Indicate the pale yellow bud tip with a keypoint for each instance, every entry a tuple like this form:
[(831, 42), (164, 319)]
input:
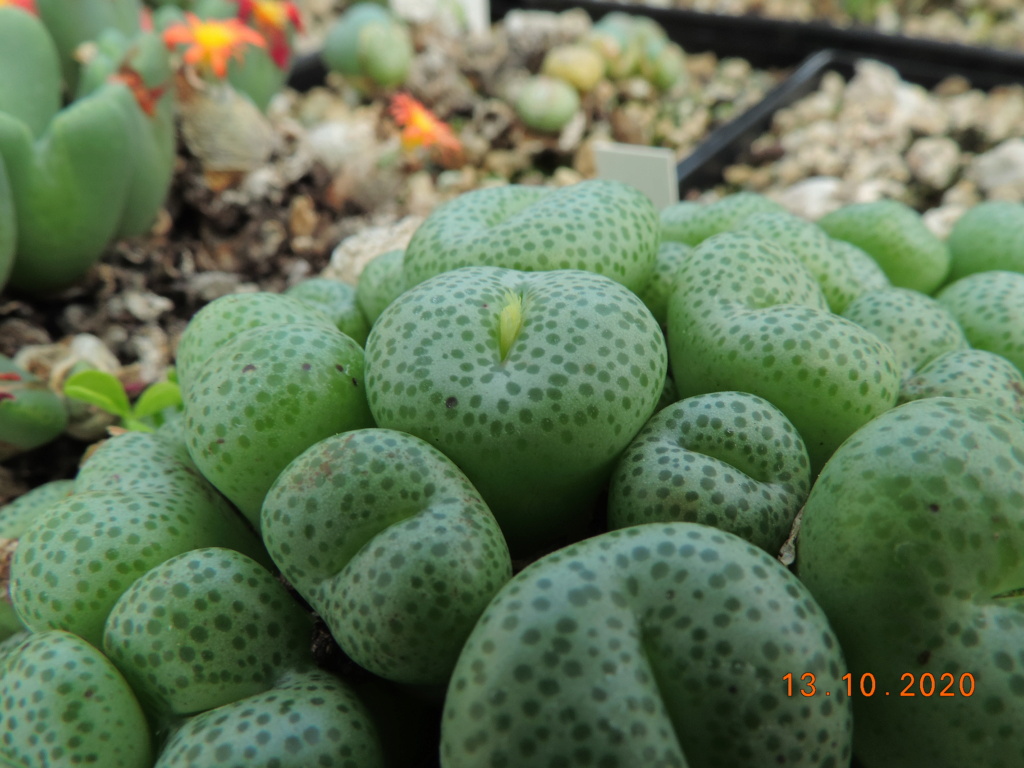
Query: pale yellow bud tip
[(510, 322)]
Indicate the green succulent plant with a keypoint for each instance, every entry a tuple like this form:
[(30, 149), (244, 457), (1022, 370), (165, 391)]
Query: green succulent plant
[(613, 38), (665, 65), (338, 301), (70, 186), (369, 45), (15, 519), (30, 89), (547, 104), (73, 22), (100, 167), (809, 243), (226, 317), (532, 383), (268, 394), (65, 704), (691, 223), (895, 236), (748, 316), (578, 64), (8, 227), (84, 551), (143, 62), (204, 629), (310, 718), (153, 463), (391, 545), (989, 236), (968, 373), (31, 414), (599, 226), (911, 543), (381, 282), (635, 45), (661, 644), (987, 305), (659, 288), (915, 326), (729, 460), (866, 273), (106, 392)]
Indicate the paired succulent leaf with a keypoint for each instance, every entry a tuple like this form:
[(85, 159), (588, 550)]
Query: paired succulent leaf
[(31, 81), (368, 44), (70, 187), (142, 64), (73, 22)]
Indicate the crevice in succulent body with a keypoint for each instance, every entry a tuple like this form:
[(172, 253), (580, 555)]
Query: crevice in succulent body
[(510, 322)]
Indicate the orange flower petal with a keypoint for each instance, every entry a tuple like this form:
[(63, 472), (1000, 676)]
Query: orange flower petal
[(177, 35), (212, 42)]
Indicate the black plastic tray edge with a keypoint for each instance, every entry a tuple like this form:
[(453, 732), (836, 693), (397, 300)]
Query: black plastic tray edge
[(703, 167), (783, 43)]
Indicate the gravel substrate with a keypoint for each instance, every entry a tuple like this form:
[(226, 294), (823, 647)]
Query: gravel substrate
[(877, 136)]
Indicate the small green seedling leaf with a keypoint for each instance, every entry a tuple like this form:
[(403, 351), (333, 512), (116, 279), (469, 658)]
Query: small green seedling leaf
[(156, 398), (106, 391), (101, 389)]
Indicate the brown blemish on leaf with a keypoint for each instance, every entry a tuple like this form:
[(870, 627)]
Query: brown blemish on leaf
[(7, 547), (249, 367)]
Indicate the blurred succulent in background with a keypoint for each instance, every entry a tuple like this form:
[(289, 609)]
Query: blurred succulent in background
[(83, 174), (73, 22), (142, 65), (370, 47), (579, 65), (547, 104), (31, 414), (638, 46)]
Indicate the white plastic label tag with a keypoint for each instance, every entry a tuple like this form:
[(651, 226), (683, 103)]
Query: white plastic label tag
[(652, 170)]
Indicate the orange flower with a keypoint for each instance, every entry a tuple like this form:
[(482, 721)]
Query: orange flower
[(421, 128), (272, 18), (212, 42), (27, 5)]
